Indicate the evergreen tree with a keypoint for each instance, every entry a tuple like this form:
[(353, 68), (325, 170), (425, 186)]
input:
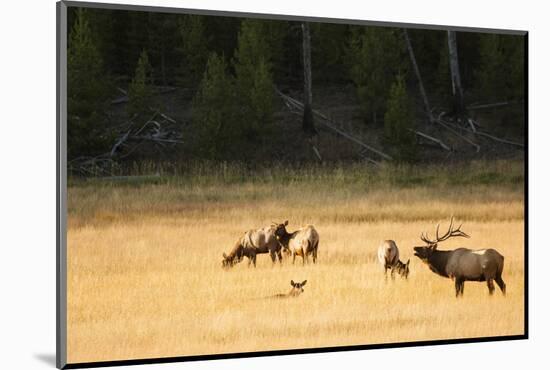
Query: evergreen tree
[(500, 71), (514, 49), (376, 55), (220, 134), (194, 49), (398, 121), (254, 81), (276, 35), (251, 49), (261, 99), (162, 40), (140, 92), (87, 92), (328, 42)]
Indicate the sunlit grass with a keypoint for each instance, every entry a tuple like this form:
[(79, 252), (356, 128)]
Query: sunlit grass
[(145, 277)]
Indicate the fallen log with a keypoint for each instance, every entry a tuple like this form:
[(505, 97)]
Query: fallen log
[(119, 142), (485, 106), (505, 141), (329, 124), (435, 140), (487, 135), (159, 140), (448, 127), (472, 126), (316, 151)]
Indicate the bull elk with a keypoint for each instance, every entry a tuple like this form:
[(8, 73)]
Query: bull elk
[(462, 264), (388, 256)]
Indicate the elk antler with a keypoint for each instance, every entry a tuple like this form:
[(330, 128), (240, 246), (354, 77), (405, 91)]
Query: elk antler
[(426, 239), (449, 234)]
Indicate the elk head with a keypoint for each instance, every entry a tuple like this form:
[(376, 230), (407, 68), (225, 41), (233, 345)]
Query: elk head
[(227, 261), (234, 257), (281, 234), (297, 288), (280, 229), (425, 252), (403, 268)]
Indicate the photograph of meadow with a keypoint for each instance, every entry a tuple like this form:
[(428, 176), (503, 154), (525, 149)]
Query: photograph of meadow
[(239, 185)]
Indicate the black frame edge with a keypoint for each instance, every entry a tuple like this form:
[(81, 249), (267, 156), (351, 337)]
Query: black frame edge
[(288, 17), (526, 186), (162, 360), (61, 185)]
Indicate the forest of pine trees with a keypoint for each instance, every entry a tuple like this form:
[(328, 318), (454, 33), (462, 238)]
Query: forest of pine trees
[(220, 77)]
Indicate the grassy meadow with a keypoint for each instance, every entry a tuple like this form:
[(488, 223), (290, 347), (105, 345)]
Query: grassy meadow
[(144, 259)]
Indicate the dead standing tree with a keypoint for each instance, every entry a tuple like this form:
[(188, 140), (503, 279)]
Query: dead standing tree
[(418, 76), (458, 93)]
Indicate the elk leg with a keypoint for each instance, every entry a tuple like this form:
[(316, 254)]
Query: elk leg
[(501, 284), (280, 256), (254, 260), (491, 286), (315, 255), (459, 287), (273, 256), (392, 273), (293, 257)]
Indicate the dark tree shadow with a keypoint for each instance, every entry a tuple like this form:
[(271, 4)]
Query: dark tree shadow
[(47, 358)]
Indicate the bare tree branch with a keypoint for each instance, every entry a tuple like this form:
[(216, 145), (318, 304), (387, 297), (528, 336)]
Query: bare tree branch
[(436, 140)]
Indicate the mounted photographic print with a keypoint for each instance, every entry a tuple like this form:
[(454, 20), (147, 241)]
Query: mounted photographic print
[(236, 185)]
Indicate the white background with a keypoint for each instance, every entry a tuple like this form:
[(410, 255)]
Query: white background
[(27, 196)]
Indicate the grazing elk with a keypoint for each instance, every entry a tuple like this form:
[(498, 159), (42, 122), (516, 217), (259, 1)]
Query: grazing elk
[(254, 242), (462, 264), (297, 289), (388, 256), (302, 242)]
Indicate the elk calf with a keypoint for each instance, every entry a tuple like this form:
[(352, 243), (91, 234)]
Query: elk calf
[(388, 256), (297, 289)]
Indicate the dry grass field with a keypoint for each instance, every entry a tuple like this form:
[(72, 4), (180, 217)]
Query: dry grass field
[(145, 277)]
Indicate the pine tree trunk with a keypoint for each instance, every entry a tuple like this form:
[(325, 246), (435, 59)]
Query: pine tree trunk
[(455, 75), (308, 124)]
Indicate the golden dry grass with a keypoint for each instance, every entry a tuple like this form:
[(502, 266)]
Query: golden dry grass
[(145, 277)]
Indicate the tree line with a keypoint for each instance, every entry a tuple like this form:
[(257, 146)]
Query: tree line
[(231, 66)]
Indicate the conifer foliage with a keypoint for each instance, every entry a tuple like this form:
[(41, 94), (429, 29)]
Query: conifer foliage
[(398, 122), (376, 56), (140, 90), (88, 92)]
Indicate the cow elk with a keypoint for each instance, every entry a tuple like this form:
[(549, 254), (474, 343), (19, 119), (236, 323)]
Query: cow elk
[(302, 242), (254, 242), (462, 264), (388, 256)]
